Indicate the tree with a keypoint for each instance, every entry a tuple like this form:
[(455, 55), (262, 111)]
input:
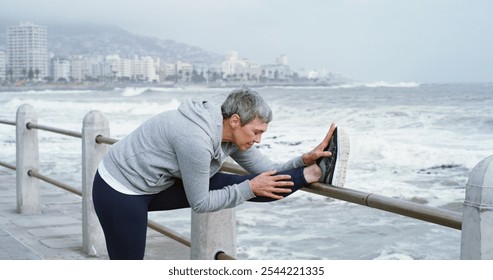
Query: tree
[(187, 74), (30, 74), (180, 75), (10, 73), (36, 73), (208, 76)]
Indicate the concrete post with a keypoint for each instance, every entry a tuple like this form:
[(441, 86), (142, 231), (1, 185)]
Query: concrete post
[(477, 219), (94, 124), (212, 233), (27, 158)]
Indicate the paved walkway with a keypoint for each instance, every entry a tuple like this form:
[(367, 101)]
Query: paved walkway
[(56, 233)]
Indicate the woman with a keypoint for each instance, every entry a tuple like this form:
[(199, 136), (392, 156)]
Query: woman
[(173, 160)]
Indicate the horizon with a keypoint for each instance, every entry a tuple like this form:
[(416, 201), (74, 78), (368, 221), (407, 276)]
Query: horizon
[(365, 40)]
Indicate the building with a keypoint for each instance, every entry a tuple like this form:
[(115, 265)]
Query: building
[(27, 52), (145, 69), (282, 60), (240, 69), (3, 69), (60, 69), (179, 71), (83, 68), (280, 71)]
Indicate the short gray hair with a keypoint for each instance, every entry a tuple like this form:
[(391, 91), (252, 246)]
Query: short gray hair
[(248, 104)]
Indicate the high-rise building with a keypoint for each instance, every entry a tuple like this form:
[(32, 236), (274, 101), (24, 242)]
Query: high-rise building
[(3, 72), (27, 52)]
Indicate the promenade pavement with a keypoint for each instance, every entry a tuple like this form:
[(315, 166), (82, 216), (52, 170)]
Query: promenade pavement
[(56, 233)]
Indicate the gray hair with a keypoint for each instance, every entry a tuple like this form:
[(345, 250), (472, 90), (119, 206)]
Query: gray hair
[(248, 104)]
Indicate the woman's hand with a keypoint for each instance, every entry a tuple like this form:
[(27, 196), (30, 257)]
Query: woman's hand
[(268, 184), (311, 157)]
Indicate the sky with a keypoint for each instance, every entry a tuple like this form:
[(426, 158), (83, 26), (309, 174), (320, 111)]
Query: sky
[(422, 41)]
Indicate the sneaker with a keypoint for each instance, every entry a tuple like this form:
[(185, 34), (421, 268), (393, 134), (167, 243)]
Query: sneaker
[(334, 167)]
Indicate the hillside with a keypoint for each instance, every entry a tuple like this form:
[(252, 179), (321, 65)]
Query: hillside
[(72, 39)]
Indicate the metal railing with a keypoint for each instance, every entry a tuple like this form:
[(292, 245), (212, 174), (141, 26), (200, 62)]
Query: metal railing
[(422, 212), (398, 206), (100, 140)]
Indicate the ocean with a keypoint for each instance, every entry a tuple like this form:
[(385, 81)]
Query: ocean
[(410, 141)]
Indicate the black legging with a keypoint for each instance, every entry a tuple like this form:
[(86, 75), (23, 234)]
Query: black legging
[(124, 217)]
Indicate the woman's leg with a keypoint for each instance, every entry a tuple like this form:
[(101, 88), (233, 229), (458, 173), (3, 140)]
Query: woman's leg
[(123, 219), (175, 198), (220, 180)]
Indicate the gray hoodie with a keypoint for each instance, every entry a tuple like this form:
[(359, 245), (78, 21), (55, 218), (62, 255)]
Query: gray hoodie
[(186, 144)]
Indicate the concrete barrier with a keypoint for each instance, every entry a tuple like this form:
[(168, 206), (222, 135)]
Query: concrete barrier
[(94, 124), (27, 158), (477, 220)]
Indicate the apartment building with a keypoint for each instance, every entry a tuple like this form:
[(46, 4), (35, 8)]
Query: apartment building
[(241, 68), (145, 69), (3, 69), (60, 69), (27, 53)]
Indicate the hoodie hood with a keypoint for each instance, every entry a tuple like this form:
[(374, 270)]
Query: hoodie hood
[(208, 117)]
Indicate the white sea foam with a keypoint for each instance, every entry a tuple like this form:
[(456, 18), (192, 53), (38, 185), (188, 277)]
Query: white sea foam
[(385, 84), (377, 84), (132, 91)]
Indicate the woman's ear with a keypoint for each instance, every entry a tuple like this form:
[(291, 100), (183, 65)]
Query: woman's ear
[(235, 121)]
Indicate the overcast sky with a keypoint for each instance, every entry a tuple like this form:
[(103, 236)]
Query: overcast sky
[(370, 40)]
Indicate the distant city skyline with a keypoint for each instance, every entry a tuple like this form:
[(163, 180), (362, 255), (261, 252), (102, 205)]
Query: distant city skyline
[(393, 41), (28, 62)]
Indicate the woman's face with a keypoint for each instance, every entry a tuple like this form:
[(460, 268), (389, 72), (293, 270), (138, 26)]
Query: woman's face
[(247, 135)]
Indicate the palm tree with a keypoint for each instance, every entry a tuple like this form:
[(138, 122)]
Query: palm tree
[(10, 73), (36, 73), (208, 75), (187, 74), (180, 75), (30, 74)]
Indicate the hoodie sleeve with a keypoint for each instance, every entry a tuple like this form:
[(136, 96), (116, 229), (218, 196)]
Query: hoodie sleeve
[(194, 161), (253, 161)]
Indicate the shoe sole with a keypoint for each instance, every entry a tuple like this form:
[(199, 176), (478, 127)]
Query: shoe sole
[(339, 175)]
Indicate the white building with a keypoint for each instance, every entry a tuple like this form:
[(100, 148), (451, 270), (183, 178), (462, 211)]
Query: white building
[(60, 69), (145, 69), (84, 67), (179, 70), (282, 60), (3, 69), (184, 70), (113, 67), (278, 71), (242, 69), (27, 53)]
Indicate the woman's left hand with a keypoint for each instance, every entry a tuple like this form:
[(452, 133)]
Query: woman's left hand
[(312, 156)]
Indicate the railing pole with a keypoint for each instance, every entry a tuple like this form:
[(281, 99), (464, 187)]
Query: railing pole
[(213, 233), (94, 124), (27, 158), (477, 223)]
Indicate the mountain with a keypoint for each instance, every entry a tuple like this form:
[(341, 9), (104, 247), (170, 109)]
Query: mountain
[(73, 39)]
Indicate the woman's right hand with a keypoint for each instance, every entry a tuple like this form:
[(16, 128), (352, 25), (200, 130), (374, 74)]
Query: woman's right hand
[(268, 184)]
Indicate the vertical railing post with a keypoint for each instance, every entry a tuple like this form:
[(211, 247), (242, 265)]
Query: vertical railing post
[(27, 158), (213, 233), (477, 219), (94, 124)]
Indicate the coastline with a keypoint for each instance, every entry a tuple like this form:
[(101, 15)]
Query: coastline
[(112, 86)]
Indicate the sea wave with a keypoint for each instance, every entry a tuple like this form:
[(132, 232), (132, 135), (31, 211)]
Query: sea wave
[(399, 85), (133, 91), (379, 84)]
